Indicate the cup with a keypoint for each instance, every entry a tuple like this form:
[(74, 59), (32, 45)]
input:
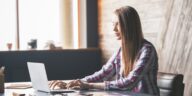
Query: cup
[(32, 43), (9, 46)]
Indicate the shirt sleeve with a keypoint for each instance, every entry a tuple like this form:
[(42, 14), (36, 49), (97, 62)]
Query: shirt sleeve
[(141, 67), (106, 72)]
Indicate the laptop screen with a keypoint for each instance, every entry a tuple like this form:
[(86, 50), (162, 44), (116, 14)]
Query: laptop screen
[(38, 76)]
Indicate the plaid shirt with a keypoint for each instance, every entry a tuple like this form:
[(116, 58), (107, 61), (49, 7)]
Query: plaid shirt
[(143, 77)]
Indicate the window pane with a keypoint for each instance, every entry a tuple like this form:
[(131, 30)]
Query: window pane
[(7, 23), (39, 19), (44, 20)]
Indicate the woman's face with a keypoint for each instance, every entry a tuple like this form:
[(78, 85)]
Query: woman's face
[(116, 27)]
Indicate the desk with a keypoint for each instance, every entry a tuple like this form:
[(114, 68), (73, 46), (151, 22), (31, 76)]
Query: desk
[(31, 91)]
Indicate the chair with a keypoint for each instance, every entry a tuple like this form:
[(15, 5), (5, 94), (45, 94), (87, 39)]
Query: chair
[(170, 84)]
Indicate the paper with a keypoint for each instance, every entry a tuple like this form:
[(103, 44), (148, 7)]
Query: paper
[(18, 86)]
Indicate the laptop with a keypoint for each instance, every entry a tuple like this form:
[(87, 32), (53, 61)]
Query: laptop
[(39, 79)]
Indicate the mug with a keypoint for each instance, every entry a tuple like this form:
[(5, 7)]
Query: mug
[(9, 46)]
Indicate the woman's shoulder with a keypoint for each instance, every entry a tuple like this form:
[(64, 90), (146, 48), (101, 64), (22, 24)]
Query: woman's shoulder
[(147, 46), (146, 49)]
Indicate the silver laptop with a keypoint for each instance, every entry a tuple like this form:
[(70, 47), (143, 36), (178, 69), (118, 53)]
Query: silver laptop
[(39, 79)]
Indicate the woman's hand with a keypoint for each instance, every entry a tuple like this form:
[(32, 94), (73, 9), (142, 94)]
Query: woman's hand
[(78, 84), (57, 84)]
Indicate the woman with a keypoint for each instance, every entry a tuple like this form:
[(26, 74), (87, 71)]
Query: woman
[(133, 67)]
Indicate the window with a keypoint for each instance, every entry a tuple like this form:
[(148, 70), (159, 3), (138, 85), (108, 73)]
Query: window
[(7, 23), (43, 20), (39, 19)]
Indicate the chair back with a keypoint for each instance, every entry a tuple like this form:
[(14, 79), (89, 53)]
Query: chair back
[(170, 84)]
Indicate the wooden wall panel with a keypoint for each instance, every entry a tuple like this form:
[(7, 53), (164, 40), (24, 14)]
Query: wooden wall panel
[(175, 41)]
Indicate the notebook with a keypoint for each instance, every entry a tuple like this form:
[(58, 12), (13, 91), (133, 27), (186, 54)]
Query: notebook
[(39, 79)]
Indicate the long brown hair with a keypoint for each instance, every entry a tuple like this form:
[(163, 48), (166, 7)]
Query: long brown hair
[(131, 36)]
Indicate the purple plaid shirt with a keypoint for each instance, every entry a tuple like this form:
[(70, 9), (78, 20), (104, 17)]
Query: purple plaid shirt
[(143, 77)]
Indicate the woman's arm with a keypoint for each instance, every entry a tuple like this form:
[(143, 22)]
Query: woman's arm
[(78, 84), (142, 66), (106, 72)]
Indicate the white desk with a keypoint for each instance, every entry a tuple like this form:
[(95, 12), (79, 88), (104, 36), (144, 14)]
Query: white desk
[(32, 92)]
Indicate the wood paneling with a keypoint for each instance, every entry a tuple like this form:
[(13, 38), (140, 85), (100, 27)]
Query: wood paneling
[(175, 42)]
